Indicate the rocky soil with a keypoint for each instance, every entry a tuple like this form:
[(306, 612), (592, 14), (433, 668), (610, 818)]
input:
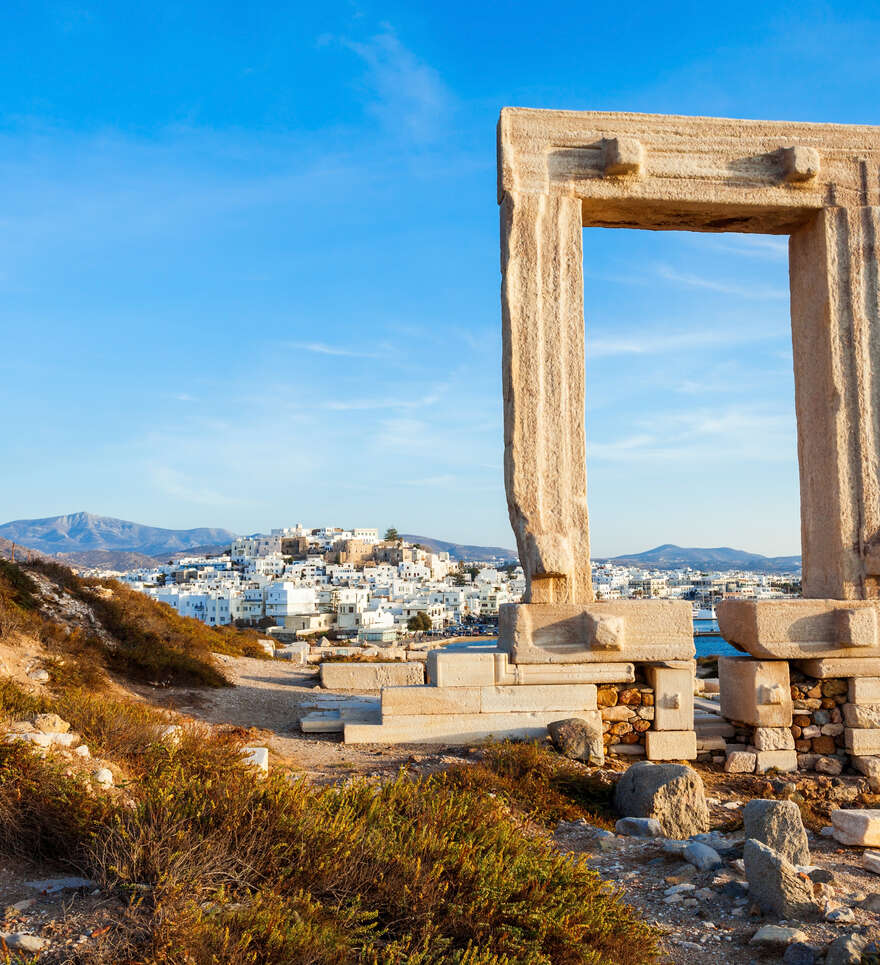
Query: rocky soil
[(707, 915)]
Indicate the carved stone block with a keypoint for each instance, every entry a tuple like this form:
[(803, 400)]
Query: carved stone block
[(646, 630), (622, 155)]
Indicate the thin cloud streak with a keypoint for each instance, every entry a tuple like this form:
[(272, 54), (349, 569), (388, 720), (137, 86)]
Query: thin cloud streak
[(689, 280)]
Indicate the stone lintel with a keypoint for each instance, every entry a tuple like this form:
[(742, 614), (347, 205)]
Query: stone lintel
[(620, 630), (801, 629)]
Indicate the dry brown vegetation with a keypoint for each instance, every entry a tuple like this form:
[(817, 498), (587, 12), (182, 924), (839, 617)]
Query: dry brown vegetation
[(143, 640), (214, 866)]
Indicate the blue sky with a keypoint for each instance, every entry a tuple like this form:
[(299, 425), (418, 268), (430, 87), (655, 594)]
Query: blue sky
[(249, 263)]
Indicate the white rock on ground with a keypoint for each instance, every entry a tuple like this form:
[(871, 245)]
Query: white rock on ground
[(23, 942), (82, 751), (777, 935), (103, 776), (860, 827), (257, 757)]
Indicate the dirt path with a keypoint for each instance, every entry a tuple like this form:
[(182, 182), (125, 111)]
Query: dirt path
[(269, 696)]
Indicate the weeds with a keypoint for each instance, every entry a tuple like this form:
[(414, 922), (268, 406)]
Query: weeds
[(142, 639), (538, 783), (222, 868)]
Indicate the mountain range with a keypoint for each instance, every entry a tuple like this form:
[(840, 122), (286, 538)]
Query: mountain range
[(462, 551), (672, 557), (77, 534), (84, 539)]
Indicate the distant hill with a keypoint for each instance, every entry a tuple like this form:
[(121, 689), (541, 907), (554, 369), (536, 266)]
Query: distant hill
[(672, 557), (106, 560), (85, 532), (462, 551), (7, 547)]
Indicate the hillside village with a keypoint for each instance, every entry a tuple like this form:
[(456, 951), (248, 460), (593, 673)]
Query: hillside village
[(353, 585)]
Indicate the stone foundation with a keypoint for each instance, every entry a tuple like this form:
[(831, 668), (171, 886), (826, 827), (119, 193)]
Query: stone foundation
[(627, 712)]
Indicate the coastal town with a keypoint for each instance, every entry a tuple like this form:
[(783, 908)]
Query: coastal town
[(350, 584)]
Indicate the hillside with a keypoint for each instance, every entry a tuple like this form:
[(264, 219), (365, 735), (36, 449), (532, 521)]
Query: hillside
[(181, 851), (462, 551), (100, 629), (82, 532), (669, 556), (8, 547)]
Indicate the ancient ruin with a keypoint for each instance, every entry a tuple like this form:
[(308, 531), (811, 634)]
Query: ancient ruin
[(560, 171)]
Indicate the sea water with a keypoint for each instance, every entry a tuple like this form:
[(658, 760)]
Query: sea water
[(707, 640)]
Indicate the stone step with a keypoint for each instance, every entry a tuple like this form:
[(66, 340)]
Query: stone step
[(713, 727), (334, 721), (455, 728)]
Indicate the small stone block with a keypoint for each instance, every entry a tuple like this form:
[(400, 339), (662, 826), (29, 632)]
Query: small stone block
[(671, 745), (871, 861), (775, 761), (826, 667), (257, 757), (864, 690), (397, 701), (561, 697), (858, 827), (622, 155), (740, 762), (800, 163), (460, 669), (862, 742)]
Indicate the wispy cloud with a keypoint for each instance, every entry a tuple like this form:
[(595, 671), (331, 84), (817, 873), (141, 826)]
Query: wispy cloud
[(322, 348), (705, 436), (178, 485), (764, 247), (657, 343), (689, 280), (404, 91), (363, 405)]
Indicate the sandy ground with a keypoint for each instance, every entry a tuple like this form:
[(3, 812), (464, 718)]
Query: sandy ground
[(269, 697)]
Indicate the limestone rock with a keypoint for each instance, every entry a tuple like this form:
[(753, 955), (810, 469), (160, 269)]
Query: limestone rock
[(103, 776), (671, 793), (20, 941), (639, 827), (859, 827), (777, 935), (799, 953), (740, 762), (51, 724), (778, 824), (775, 885), (773, 739), (701, 856), (870, 767), (579, 740), (846, 950)]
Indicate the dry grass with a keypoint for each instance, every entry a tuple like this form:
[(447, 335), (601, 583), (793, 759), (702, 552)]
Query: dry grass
[(219, 867), (148, 641), (539, 784)]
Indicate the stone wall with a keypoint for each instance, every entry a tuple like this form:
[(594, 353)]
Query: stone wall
[(627, 714)]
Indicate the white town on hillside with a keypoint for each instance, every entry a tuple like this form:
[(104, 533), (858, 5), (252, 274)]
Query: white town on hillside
[(354, 585)]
